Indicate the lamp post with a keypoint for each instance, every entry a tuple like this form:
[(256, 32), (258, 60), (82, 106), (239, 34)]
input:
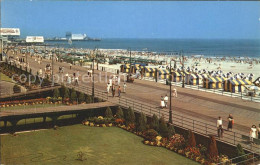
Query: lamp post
[(130, 59), (183, 86), (93, 84), (170, 110)]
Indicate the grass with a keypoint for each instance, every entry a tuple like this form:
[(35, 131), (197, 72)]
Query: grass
[(102, 146), (3, 77)]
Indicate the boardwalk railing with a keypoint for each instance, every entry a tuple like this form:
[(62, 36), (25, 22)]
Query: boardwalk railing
[(185, 122)]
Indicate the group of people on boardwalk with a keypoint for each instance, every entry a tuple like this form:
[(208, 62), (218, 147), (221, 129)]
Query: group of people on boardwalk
[(220, 127), (111, 85), (254, 132), (165, 99)]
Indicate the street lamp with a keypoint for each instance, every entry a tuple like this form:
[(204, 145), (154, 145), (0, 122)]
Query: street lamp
[(183, 86), (93, 84), (130, 59), (170, 110)]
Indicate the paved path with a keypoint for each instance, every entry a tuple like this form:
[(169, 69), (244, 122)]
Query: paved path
[(55, 109)]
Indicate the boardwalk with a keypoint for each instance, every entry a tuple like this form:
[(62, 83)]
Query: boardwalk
[(192, 105)]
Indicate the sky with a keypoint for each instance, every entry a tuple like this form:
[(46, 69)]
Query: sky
[(134, 19)]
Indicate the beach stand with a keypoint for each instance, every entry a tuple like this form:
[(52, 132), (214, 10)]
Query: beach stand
[(125, 68), (164, 73), (177, 77), (213, 82), (149, 72), (236, 85), (194, 79)]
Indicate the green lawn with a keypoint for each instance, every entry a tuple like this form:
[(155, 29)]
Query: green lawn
[(104, 146), (3, 77)]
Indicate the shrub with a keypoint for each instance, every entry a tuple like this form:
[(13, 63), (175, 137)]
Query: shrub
[(108, 113), (212, 148), (155, 123), (171, 131), (81, 97), (141, 123), (119, 113), (129, 116), (240, 152), (163, 130), (88, 99), (73, 96), (56, 93), (66, 93), (62, 91), (191, 139), (16, 89), (150, 134)]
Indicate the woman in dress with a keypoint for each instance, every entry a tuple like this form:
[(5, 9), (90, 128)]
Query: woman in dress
[(230, 122), (162, 102), (253, 133)]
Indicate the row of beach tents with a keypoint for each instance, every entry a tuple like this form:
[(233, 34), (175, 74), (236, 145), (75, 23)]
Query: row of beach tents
[(208, 81)]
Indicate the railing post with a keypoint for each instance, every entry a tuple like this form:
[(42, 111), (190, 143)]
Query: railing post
[(182, 121), (234, 138)]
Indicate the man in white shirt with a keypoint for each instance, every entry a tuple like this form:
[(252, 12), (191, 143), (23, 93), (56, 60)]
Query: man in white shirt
[(165, 100), (220, 127)]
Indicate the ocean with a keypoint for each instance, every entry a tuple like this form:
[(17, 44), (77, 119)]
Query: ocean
[(206, 47)]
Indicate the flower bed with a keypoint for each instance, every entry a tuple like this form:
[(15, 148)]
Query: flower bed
[(176, 143), (23, 102)]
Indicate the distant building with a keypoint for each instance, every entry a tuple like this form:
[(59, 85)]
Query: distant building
[(10, 33)]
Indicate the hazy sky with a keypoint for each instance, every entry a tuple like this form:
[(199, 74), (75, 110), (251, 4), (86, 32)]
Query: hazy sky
[(132, 19)]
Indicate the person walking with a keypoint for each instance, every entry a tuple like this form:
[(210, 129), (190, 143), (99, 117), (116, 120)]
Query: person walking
[(124, 87), (253, 133), (162, 102), (165, 101), (40, 72), (119, 91), (70, 66), (113, 90), (220, 127), (108, 87), (230, 122)]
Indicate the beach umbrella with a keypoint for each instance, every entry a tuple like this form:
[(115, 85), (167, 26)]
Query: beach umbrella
[(256, 88)]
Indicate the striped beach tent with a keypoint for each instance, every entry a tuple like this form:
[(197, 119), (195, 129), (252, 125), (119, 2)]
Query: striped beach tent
[(194, 79), (149, 72), (164, 73), (177, 77), (135, 68), (125, 68), (236, 85), (213, 82)]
